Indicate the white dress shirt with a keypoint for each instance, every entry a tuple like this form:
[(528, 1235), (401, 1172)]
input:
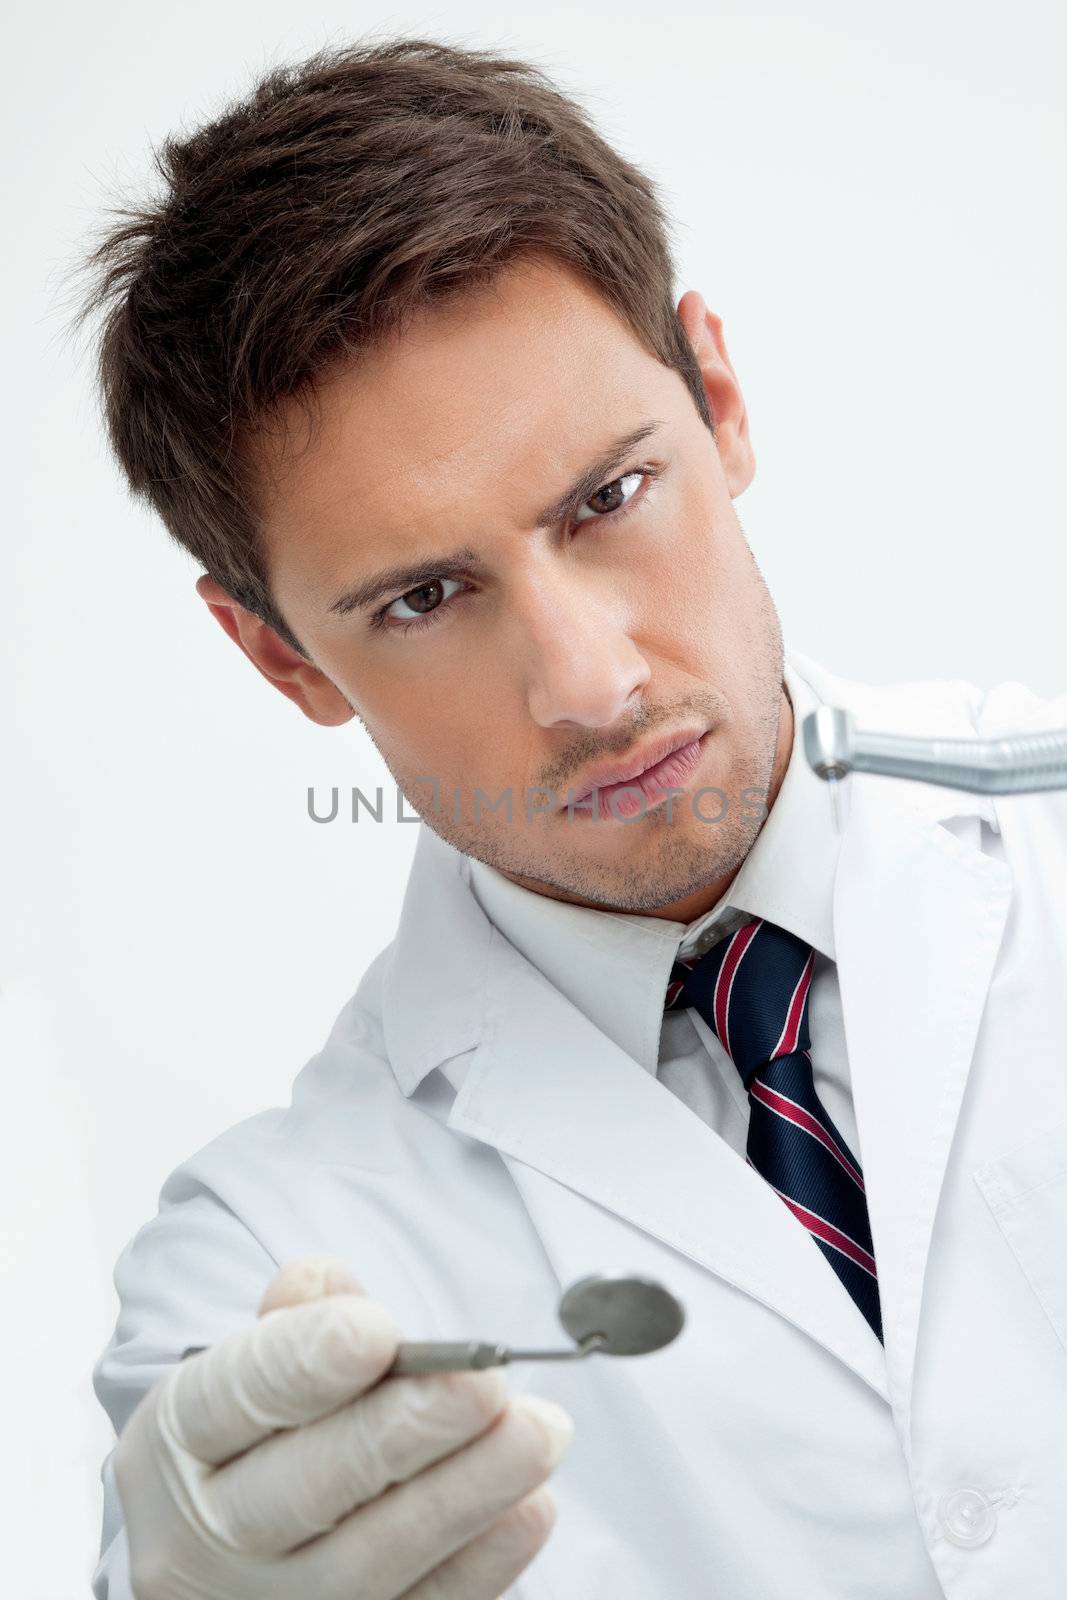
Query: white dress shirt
[(614, 966)]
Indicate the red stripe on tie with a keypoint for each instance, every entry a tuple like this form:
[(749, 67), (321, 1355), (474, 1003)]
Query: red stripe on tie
[(724, 982), (792, 1112), (787, 1039), (832, 1236)]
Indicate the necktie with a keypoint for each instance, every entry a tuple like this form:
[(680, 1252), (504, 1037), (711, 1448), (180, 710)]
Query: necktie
[(752, 990)]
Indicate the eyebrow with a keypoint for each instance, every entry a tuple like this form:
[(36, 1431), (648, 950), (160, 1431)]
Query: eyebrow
[(466, 562)]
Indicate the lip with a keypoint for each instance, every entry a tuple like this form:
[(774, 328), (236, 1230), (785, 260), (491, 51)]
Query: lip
[(638, 766)]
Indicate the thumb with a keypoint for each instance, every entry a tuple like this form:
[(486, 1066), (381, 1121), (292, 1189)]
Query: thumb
[(310, 1278)]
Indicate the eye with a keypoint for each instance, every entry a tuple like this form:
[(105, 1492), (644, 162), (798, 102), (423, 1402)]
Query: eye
[(613, 496), (421, 601)]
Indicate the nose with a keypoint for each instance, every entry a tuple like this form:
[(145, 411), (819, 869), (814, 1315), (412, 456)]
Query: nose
[(583, 665)]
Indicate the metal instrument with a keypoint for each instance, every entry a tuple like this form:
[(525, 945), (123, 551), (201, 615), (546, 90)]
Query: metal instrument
[(615, 1313), (1016, 764)]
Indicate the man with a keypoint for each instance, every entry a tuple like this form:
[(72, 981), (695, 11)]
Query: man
[(396, 357)]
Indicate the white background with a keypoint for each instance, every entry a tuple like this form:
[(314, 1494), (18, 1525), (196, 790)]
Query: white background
[(873, 200)]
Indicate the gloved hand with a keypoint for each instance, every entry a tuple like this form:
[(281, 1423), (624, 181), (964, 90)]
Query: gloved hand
[(429, 1487)]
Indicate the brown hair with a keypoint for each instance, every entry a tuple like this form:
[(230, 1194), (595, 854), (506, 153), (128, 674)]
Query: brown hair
[(307, 221)]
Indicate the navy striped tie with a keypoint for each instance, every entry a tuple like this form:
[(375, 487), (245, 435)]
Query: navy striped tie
[(752, 990)]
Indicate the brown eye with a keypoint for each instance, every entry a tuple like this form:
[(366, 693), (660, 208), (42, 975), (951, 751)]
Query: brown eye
[(614, 496), (423, 599)]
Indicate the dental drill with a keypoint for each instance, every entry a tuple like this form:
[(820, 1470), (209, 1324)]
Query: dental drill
[(1013, 764)]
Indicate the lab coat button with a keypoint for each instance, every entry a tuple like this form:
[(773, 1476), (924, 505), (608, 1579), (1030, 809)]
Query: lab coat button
[(967, 1516)]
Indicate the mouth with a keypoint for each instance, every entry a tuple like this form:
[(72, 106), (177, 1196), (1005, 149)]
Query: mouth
[(623, 789)]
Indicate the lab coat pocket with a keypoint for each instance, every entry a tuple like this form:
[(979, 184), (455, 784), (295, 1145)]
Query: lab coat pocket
[(1026, 1190)]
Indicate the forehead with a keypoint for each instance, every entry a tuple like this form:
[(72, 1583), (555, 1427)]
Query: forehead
[(465, 422)]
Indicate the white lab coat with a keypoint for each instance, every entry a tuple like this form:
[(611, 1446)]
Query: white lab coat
[(772, 1449)]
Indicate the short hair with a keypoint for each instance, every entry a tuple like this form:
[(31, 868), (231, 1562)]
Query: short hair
[(307, 221)]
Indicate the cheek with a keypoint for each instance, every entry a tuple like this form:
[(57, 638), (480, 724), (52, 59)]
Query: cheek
[(432, 722), (711, 576), (686, 589)]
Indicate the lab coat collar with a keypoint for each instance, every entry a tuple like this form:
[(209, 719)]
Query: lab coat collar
[(918, 915)]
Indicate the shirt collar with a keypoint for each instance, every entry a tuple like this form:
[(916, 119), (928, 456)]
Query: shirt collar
[(615, 966)]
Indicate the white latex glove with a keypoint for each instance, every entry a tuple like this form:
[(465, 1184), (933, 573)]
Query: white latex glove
[(276, 1466)]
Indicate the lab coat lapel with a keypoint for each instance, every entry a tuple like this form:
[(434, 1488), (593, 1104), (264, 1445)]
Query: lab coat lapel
[(596, 1145), (578, 1120), (918, 920)]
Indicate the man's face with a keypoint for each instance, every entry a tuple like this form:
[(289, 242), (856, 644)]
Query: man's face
[(511, 652)]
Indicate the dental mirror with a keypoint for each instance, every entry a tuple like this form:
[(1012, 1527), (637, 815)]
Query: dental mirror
[(616, 1313)]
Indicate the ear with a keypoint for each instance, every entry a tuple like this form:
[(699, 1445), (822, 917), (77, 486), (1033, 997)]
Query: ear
[(290, 672), (704, 331)]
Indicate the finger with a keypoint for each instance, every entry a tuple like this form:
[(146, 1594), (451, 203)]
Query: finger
[(310, 1278), (302, 1482), (292, 1366), (485, 1568), (388, 1545)]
